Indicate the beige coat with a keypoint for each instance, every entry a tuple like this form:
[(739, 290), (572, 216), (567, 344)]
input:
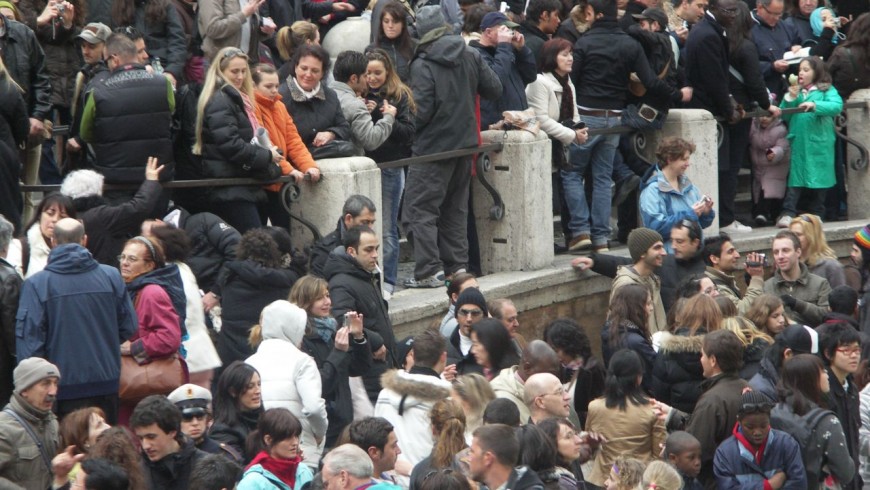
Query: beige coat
[(220, 24), (545, 97), (507, 385), (634, 433)]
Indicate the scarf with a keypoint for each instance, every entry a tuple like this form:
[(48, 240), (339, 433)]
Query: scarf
[(284, 469), (757, 453), (249, 110), (324, 327), (566, 108)]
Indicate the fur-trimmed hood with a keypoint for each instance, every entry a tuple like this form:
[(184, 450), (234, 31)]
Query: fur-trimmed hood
[(414, 389), (680, 344)]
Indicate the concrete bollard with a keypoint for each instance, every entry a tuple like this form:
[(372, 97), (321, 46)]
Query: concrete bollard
[(321, 203), (523, 239), (699, 127), (858, 181)]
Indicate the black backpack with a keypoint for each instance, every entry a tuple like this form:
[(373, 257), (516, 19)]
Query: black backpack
[(783, 418)]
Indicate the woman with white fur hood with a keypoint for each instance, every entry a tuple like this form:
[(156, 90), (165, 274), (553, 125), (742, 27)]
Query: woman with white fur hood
[(289, 377)]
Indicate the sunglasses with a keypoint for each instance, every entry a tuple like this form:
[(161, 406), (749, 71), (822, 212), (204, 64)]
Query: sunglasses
[(755, 408), (474, 313)]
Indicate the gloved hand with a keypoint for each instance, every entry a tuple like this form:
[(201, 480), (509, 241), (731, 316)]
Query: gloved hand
[(788, 300)]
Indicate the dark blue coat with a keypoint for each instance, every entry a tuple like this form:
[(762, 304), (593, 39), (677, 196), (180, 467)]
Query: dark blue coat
[(736, 468), (516, 69), (75, 313), (772, 43)]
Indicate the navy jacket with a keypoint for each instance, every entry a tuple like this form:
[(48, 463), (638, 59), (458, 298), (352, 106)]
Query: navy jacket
[(736, 468), (772, 43), (707, 67), (75, 313)]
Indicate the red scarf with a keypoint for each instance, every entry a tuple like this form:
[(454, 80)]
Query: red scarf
[(757, 453), (284, 469)]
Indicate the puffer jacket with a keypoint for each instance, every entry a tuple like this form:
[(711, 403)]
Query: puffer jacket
[(21, 465), (766, 379), (273, 115), (630, 337), (627, 275), (662, 207), (290, 380), (227, 150), (25, 61), (62, 58), (677, 372), (753, 354), (214, 245), (770, 176), (446, 75), (508, 385), (405, 401), (811, 292), (516, 69), (737, 467)]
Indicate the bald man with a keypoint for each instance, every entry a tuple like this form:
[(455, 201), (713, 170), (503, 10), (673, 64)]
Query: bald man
[(85, 314), (545, 397), (537, 357)]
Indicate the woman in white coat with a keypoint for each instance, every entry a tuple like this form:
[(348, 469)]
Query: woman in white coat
[(290, 378), (552, 96)]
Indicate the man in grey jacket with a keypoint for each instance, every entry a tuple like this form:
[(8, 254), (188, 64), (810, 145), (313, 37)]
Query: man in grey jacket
[(350, 86), (446, 75), (804, 294)]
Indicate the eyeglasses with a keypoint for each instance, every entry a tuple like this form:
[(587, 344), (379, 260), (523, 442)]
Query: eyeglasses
[(189, 414), (560, 392), (473, 313), (849, 351), (775, 14), (132, 259)]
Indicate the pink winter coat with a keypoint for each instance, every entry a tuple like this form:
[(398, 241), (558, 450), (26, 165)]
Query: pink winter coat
[(770, 176), (159, 334)]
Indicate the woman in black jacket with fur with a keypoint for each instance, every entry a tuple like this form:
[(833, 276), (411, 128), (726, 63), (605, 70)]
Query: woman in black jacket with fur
[(226, 123)]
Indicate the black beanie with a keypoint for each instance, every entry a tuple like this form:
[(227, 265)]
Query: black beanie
[(471, 296)]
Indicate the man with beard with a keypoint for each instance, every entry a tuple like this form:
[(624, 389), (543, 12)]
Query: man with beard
[(28, 428), (721, 257)]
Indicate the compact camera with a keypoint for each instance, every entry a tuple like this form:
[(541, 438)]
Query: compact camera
[(761, 263)]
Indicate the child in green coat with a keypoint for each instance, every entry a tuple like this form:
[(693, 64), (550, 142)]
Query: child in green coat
[(812, 137)]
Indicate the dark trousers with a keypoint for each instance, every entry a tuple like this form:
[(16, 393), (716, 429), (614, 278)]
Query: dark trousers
[(732, 156), (435, 216), (108, 403), (815, 203), (241, 215), (275, 212)]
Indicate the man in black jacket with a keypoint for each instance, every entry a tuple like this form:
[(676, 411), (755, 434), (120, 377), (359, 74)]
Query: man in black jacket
[(354, 285), (126, 116), (25, 62), (542, 20), (446, 75), (168, 456), (358, 210), (604, 58)]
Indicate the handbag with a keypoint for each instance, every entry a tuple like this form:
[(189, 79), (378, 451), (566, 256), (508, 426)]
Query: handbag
[(158, 377), (333, 149)]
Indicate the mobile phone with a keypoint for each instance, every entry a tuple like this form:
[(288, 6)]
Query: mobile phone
[(706, 199), (580, 125)]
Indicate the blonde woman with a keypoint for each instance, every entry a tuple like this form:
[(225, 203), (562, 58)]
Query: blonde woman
[(755, 343), (816, 254), (226, 124), (14, 126)]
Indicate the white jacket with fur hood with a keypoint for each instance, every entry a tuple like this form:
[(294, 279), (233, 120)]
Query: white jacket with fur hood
[(405, 401)]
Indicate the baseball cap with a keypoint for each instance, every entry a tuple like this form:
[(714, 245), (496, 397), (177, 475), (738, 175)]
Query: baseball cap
[(493, 19), (801, 339), (95, 33), (655, 14)]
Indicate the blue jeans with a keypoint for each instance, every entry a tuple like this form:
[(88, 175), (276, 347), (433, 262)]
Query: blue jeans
[(392, 185), (597, 152)]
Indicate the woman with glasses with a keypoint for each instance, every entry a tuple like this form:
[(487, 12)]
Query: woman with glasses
[(818, 256), (158, 296), (802, 410), (669, 197), (623, 418), (571, 451), (226, 127)]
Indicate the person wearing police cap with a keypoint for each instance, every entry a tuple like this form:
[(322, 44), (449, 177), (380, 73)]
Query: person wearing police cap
[(195, 404)]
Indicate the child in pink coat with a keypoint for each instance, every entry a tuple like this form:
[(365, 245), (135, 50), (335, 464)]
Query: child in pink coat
[(770, 153)]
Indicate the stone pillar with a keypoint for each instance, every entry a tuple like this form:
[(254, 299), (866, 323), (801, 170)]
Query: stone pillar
[(321, 203), (523, 239), (699, 127), (858, 181)]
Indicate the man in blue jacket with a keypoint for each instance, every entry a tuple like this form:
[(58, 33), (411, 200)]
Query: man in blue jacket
[(76, 313)]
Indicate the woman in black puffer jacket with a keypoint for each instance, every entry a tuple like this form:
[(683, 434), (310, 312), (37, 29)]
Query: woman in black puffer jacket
[(677, 372), (226, 123)]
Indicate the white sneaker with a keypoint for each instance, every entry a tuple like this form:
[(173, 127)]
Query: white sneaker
[(736, 227), (784, 221)]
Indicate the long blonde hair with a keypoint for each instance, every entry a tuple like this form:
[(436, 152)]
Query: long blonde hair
[(214, 81), (5, 76), (394, 89), (745, 330), (817, 245)]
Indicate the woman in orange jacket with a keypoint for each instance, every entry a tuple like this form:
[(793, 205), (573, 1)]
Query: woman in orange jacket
[(273, 115)]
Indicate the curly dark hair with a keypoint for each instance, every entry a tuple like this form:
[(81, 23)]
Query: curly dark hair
[(259, 246), (673, 148), (568, 335)]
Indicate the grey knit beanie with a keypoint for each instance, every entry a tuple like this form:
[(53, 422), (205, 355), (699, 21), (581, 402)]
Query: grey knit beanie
[(31, 371), (428, 19), (640, 240)]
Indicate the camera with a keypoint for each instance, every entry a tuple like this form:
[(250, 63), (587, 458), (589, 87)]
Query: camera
[(61, 8), (761, 263)]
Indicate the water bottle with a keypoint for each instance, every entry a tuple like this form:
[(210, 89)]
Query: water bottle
[(158, 67)]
